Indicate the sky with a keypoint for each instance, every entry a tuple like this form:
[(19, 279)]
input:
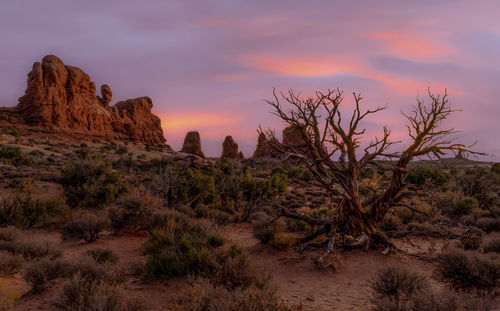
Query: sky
[(209, 65)]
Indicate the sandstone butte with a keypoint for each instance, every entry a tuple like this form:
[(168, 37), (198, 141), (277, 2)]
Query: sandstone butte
[(192, 144), (62, 98), (230, 148)]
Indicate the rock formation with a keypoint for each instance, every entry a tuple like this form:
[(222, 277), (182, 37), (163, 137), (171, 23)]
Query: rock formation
[(62, 98), (192, 144), (106, 95), (229, 148), (292, 138), (241, 156), (263, 149)]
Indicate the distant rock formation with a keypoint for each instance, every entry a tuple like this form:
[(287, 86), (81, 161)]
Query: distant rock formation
[(229, 148), (263, 149), (62, 98), (241, 156), (292, 137), (460, 155), (192, 144)]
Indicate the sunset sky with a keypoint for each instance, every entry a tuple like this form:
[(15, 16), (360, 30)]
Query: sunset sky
[(209, 65)]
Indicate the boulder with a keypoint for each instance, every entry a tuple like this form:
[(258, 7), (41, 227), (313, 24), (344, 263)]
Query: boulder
[(192, 144), (229, 148), (62, 98)]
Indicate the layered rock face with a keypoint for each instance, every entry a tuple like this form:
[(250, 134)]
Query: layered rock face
[(62, 98), (192, 144), (230, 148), (263, 149)]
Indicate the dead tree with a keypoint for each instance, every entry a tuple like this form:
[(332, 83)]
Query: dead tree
[(331, 150)]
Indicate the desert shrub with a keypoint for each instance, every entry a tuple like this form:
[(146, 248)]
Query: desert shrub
[(81, 293), (85, 226), (102, 255), (180, 186), (121, 150), (207, 296), (134, 208), (13, 155), (406, 215), (179, 247), (296, 225), (40, 272), (492, 246), (428, 300), (89, 268), (91, 182), (422, 175), (468, 271), (30, 249), (495, 168), (466, 206), (233, 269), (471, 241), (242, 194), (23, 211), (9, 234), (215, 240), (488, 224), (284, 239), (264, 230), (9, 263), (396, 283), (448, 202)]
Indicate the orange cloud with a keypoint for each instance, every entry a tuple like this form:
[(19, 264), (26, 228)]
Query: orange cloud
[(308, 66), (409, 45), (186, 121)]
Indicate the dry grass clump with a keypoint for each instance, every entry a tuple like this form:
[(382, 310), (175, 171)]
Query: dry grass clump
[(264, 229), (9, 234), (178, 247), (86, 226), (84, 293), (207, 296), (45, 270), (9, 263), (472, 240), (102, 255), (23, 211), (89, 267), (30, 249), (397, 283), (133, 209), (233, 269), (397, 289), (466, 271), (492, 246), (488, 224)]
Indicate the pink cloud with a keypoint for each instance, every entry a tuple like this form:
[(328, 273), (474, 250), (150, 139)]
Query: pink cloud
[(410, 44), (304, 65)]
